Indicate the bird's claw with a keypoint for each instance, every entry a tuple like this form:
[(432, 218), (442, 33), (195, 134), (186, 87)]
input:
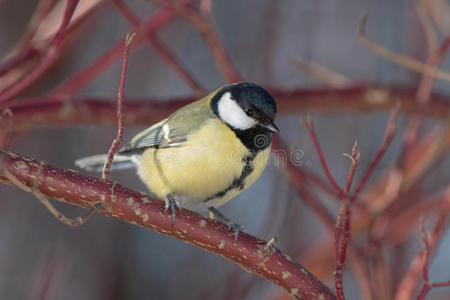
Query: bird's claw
[(219, 217), (172, 203), (236, 229)]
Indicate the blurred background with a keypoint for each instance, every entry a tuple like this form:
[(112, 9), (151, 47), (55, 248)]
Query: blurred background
[(41, 258)]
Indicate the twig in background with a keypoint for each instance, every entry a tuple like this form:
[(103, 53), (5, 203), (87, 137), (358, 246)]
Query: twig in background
[(309, 126), (165, 54), (401, 225), (410, 281), (205, 7), (47, 61), (158, 19), (5, 142), (425, 255), (439, 11), (389, 135), (42, 28), (423, 96), (405, 61), (298, 181), (51, 111), (322, 74), (206, 29), (120, 114), (426, 24), (354, 158)]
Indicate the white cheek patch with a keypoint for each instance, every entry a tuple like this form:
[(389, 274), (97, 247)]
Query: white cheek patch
[(232, 114)]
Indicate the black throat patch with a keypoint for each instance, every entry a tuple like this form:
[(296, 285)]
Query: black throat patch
[(254, 139)]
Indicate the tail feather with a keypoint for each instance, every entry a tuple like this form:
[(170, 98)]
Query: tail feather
[(96, 162)]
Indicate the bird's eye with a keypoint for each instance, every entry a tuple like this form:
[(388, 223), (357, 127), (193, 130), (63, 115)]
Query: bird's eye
[(249, 112)]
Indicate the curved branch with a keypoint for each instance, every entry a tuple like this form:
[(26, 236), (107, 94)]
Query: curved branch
[(142, 210), (34, 112)]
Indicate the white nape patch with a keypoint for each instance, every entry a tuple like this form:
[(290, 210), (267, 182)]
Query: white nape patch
[(232, 114)]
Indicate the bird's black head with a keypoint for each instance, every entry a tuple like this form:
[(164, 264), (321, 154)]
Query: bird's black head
[(245, 105), (249, 110)]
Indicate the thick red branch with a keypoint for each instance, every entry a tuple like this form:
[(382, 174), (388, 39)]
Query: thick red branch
[(142, 210), (50, 111)]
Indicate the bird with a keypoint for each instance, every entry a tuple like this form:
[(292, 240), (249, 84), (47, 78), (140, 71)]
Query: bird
[(205, 153)]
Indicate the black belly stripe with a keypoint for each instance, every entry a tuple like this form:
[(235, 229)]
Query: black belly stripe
[(238, 183)]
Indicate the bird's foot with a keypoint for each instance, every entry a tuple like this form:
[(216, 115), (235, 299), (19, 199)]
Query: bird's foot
[(221, 218), (173, 204)]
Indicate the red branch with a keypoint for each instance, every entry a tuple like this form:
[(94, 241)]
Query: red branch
[(354, 157), (389, 135), (343, 223), (142, 210), (299, 181), (425, 255), (52, 54), (342, 228), (50, 111), (158, 19), (206, 29), (159, 47), (410, 282), (309, 126), (120, 115), (34, 112), (18, 59)]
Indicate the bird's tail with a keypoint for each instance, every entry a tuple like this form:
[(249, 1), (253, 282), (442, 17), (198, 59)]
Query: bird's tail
[(96, 162)]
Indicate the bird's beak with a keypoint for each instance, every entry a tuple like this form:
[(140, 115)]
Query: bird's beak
[(272, 127)]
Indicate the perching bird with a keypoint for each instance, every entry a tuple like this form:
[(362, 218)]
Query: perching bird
[(205, 153)]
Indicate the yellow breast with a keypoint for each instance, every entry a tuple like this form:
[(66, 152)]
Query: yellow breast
[(203, 169)]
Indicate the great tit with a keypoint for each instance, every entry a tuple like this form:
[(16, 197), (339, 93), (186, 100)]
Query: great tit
[(205, 153)]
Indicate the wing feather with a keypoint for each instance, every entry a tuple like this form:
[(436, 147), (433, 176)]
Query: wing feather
[(172, 131)]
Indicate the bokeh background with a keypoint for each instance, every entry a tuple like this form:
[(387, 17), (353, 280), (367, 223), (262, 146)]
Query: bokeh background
[(108, 259)]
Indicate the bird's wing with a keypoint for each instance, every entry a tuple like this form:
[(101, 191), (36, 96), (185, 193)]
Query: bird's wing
[(170, 132)]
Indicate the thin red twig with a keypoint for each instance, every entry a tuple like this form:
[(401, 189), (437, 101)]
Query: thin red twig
[(343, 223), (342, 228), (410, 281), (427, 285), (441, 284), (389, 135), (165, 54), (206, 29), (426, 84), (426, 249), (354, 157), (27, 51), (18, 59), (423, 95), (309, 126), (299, 182), (120, 114), (158, 19)]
